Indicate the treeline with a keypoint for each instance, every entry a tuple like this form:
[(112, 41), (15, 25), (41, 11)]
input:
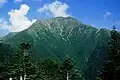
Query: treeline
[(22, 65)]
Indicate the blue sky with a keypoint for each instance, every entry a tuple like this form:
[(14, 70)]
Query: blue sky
[(98, 13)]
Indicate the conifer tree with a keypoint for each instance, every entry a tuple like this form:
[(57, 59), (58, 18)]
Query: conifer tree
[(111, 68), (68, 71), (20, 63), (46, 70)]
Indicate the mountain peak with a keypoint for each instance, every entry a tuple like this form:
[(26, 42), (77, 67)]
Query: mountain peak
[(60, 36), (66, 22)]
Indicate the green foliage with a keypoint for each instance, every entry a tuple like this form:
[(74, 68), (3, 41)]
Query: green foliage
[(111, 68), (98, 78), (19, 64), (67, 69), (46, 70), (5, 51)]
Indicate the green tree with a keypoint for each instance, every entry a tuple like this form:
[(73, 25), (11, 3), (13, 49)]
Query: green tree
[(20, 63), (111, 68), (46, 70), (5, 51), (68, 71)]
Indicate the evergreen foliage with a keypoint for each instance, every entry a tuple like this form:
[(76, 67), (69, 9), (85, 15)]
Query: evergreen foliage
[(111, 68), (22, 64)]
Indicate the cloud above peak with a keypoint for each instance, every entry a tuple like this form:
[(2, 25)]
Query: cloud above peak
[(19, 20), (55, 9)]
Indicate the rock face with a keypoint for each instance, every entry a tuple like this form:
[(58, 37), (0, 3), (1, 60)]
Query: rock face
[(57, 37)]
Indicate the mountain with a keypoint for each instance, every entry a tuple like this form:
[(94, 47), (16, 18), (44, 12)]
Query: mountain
[(58, 37), (10, 35)]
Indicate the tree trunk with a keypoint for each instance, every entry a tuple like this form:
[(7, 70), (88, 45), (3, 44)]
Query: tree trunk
[(67, 76), (10, 78)]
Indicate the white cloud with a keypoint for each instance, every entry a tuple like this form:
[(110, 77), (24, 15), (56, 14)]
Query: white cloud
[(107, 14), (4, 24), (3, 27), (17, 1), (19, 20), (55, 9), (2, 2)]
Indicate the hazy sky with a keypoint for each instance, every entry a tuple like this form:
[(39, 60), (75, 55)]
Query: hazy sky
[(17, 15)]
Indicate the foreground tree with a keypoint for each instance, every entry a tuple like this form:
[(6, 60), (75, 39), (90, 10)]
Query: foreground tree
[(111, 68), (54, 70), (20, 63), (46, 70), (5, 51), (67, 70)]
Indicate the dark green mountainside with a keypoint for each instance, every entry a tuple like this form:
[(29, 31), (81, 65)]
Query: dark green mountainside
[(60, 36)]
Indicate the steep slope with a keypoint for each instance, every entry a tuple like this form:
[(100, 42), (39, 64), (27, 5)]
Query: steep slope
[(57, 37), (10, 35)]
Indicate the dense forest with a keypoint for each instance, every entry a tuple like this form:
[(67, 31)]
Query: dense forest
[(21, 66)]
